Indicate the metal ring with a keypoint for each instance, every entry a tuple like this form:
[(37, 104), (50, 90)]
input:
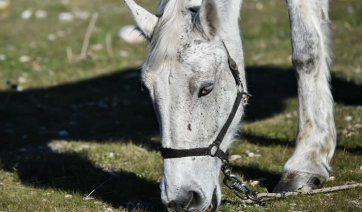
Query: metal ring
[(211, 147)]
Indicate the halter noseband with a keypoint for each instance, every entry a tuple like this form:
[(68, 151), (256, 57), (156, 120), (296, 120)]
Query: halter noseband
[(213, 149)]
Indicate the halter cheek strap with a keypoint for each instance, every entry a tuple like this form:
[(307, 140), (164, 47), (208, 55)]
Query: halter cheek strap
[(213, 149)]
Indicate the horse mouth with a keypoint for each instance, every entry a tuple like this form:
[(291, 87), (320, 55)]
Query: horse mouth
[(210, 208), (213, 205)]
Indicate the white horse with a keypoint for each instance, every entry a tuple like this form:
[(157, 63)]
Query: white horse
[(190, 75)]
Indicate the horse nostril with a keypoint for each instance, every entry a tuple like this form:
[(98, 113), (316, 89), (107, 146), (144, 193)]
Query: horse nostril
[(195, 199), (190, 200)]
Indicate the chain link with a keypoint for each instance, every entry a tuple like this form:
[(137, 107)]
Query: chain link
[(242, 190)]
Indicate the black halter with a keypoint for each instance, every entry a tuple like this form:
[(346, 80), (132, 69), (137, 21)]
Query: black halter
[(213, 149)]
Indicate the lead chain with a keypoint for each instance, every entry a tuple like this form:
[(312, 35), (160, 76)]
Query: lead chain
[(240, 189)]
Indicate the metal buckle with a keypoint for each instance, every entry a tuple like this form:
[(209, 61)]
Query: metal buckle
[(245, 98), (213, 150)]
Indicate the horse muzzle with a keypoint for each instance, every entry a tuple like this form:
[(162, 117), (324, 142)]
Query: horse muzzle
[(193, 201)]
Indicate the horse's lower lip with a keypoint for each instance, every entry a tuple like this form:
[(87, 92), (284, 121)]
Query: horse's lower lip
[(209, 209), (213, 205)]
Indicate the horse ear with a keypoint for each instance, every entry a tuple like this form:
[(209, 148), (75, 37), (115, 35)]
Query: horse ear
[(208, 18), (145, 21)]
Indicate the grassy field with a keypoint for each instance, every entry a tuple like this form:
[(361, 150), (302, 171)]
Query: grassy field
[(80, 136)]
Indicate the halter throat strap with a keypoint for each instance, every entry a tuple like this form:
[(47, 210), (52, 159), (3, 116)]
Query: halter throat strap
[(213, 149)]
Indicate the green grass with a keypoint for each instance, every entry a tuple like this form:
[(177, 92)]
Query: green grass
[(109, 152)]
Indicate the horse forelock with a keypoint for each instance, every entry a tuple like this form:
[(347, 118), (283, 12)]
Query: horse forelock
[(173, 30)]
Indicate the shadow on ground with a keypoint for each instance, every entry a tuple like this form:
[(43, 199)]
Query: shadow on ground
[(266, 178), (107, 108), (270, 86), (112, 108), (263, 141), (72, 172)]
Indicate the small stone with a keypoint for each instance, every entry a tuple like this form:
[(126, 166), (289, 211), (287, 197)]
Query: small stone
[(68, 196), (348, 118), (22, 80), (123, 53), (41, 14), (254, 183), (251, 154), (111, 154), (26, 14), (52, 37), (332, 178), (259, 6), (2, 57), (24, 59), (360, 167), (63, 133), (108, 210), (66, 17), (305, 189)]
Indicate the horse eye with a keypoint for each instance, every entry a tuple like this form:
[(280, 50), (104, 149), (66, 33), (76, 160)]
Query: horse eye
[(205, 90), (144, 89)]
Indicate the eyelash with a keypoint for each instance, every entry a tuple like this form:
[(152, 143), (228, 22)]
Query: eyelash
[(205, 91), (144, 89)]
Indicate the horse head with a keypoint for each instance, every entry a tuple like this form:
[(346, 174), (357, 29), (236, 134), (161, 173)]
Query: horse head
[(187, 74)]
